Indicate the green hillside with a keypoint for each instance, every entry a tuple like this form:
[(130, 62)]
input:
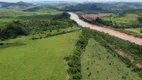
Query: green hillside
[(38, 59), (100, 64)]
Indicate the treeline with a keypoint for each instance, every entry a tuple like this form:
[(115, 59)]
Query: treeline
[(74, 61), (112, 43)]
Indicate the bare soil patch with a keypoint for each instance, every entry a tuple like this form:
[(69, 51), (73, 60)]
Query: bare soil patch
[(131, 58), (93, 17)]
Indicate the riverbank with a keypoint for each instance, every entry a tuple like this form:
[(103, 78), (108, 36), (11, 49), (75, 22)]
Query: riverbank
[(112, 32)]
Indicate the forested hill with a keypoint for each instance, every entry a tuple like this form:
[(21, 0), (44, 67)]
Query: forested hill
[(102, 6), (19, 4)]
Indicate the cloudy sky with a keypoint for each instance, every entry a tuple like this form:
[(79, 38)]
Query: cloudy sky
[(71, 0)]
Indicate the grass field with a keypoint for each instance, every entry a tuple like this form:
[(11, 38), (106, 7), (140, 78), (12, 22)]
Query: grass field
[(128, 22), (7, 15), (127, 18), (100, 64), (37, 59)]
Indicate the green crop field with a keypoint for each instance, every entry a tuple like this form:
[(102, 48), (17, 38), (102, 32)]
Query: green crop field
[(100, 64), (37, 59), (127, 18)]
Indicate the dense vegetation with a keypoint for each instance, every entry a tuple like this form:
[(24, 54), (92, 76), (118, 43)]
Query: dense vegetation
[(12, 30), (74, 61)]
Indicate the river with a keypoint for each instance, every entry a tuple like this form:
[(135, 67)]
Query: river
[(112, 32)]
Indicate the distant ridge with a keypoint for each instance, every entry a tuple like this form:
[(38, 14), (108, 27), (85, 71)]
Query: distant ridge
[(19, 4)]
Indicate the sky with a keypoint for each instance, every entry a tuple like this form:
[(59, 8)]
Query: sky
[(73, 0)]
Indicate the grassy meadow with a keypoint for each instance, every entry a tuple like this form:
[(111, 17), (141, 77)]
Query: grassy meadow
[(128, 18), (98, 63), (37, 59)]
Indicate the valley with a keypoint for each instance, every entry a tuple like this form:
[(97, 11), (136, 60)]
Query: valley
[(69, 40)]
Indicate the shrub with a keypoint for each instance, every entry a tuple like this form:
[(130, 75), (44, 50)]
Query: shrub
[(141, 30), (1, 44)]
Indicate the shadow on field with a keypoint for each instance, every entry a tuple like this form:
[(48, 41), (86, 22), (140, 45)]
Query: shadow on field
[(6, 45), (52, 35), (49, 17)]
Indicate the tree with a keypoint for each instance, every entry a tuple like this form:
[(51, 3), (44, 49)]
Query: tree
[(13, 30), (141, 30)]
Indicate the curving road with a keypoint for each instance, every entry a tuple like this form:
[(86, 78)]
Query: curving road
[(118, 34)]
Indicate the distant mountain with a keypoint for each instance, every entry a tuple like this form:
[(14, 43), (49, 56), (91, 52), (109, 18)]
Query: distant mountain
[(119, 6), (19, 4), (79, 7), (40, 9), (132, 11), (127, 5), (53, 3)]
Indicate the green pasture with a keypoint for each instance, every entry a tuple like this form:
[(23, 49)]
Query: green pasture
[(100, 64), (128, 18), (41, 59)]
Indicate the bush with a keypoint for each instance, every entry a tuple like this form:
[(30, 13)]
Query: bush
[(1, 43), (141, 30)]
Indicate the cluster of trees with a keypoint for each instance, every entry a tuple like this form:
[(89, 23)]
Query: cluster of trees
[(74, 61), (64, 15), (112, 43), (12, 30)]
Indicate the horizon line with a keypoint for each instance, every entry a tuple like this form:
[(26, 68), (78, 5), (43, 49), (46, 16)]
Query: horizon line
[(71, 1)]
